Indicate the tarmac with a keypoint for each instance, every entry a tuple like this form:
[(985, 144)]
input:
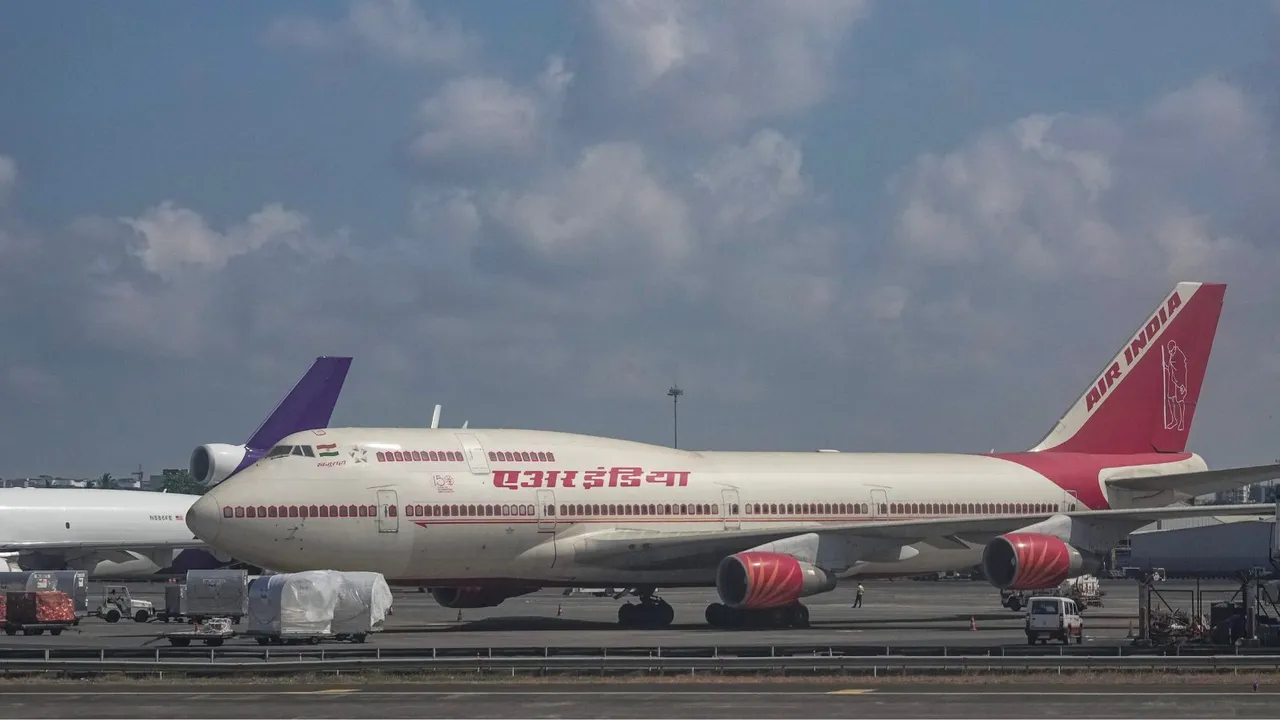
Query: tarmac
[(644, 700), (894, 613)]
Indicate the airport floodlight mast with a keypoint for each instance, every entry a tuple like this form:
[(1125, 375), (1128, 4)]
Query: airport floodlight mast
[(674, 393)]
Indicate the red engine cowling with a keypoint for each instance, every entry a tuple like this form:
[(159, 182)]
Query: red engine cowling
[(759, 580), (456, 598), (1029, 561)]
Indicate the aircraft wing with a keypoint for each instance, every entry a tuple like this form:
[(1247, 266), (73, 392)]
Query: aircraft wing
[(637, 549), (104, 546), (1197, 483)]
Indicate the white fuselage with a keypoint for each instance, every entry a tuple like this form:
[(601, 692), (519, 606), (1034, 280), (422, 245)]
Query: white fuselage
[(67, 528), (460, 509)]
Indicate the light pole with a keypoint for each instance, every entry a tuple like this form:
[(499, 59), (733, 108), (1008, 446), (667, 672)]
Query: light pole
[(674, 393)]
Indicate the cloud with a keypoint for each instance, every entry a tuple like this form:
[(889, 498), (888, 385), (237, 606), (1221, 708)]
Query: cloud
[(486, 118), (712, 68), (173, 240), (1052, 198), (394, 31), (581, 232), (609, 207)]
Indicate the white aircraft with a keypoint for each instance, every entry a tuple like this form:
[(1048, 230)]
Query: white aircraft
[(488, 514), (129, 534)]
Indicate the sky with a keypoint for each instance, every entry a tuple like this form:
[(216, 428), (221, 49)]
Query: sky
[(852, 224)]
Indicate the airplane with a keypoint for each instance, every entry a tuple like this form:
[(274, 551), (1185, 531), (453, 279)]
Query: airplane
[(484, 515), (130, 534)]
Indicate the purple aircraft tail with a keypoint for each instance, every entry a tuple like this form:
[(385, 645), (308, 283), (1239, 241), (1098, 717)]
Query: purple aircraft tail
[(308, 406)]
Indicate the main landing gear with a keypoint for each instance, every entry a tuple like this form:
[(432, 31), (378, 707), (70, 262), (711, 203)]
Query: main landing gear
[(651, 613), (794, 615)]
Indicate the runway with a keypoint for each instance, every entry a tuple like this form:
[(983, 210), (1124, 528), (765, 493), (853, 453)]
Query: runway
[(894, 613), (644, 700)]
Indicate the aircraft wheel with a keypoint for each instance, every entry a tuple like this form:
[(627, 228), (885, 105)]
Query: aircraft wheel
[(799, 616), (627, 615), (717, 615), (666, 614)]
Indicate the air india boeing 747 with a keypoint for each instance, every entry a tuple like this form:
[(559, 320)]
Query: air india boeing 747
[(483, 515)]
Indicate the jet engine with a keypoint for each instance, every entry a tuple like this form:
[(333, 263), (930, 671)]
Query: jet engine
[(456, 598), (760, 580), (211, 464), (1030, 561)]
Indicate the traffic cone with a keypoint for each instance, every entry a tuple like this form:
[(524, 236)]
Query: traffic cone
[(1130, 635), (459, 616), (559, 609), (973, 624)]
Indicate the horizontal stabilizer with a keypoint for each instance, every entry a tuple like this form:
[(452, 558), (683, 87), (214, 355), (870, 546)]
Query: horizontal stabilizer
[(1198, 483)]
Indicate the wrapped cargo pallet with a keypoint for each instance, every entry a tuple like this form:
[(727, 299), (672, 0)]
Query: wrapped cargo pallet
[(293, 603), (39, 606), (363, 601)]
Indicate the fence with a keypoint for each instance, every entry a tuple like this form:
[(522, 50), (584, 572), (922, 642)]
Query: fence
[(824, 660)]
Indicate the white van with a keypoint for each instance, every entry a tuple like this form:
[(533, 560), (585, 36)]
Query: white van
[(1054, 617)]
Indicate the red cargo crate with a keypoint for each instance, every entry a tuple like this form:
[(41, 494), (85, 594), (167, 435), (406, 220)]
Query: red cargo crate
[(39, 606)]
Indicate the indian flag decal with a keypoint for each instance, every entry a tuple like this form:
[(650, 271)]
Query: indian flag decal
[(330, 450)]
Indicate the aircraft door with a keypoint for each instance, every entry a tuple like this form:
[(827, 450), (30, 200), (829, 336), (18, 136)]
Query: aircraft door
[(1070, 502), (546, 511), (731, 509), (879, 504), (474, 451), (388, 513)]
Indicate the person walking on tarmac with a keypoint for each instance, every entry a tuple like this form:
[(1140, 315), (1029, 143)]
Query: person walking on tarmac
[(857, 600)]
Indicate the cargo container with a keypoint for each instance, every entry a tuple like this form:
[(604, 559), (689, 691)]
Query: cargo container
[(215, 594)]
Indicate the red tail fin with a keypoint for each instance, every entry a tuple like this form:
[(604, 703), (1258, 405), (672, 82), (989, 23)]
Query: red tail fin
[(1146, 397)]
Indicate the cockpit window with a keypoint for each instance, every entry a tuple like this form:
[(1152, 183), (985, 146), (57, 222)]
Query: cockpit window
[(286, 450)]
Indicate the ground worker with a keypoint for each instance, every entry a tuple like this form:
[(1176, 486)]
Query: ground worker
[(857, 600)]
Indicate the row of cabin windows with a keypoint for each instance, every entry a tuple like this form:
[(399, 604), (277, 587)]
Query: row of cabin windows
[(505, 456), (303, 511), (473, 510), (565, 510), (420, 456), (900, 508), (342, 511), (576, 510)]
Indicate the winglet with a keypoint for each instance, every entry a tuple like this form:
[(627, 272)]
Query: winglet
[(1145, 398), (308, 406)]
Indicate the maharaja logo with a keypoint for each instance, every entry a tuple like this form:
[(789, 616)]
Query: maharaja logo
[(329, 450)]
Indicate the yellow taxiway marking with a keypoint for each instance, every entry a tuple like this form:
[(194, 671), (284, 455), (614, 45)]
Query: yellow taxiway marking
[(851, 692)]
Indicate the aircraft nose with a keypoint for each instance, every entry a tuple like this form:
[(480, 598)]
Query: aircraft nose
[(204, 518)]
